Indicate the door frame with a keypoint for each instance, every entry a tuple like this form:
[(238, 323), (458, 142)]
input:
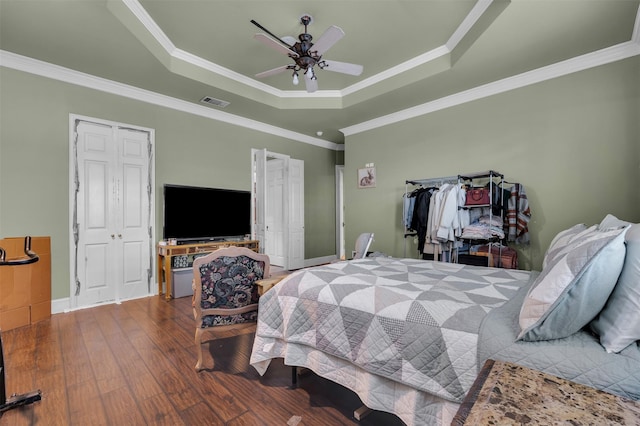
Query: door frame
[(74, 120)]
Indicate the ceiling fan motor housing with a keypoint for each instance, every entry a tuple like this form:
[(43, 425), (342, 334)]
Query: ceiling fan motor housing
[(306, 58)]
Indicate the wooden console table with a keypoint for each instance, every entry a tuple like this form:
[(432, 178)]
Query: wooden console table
[(509, 394), (166, 253)]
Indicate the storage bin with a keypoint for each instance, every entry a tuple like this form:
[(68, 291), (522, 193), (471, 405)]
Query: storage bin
[(181, 282)]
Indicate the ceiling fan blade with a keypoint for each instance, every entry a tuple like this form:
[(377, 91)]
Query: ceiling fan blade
[(273, 71), (254, 22), (342, 67), (274, 44), (327, 39)]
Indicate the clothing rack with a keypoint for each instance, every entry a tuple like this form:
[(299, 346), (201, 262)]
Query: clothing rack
[(487, 174), (432, 181), (436, 183)]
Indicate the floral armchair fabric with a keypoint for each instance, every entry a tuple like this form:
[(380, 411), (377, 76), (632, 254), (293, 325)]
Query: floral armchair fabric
[(225, 290)]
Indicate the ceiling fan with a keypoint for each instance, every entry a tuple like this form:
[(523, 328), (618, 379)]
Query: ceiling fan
[(305, 54)]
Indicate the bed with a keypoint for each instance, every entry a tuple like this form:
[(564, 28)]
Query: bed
[(410, 336)]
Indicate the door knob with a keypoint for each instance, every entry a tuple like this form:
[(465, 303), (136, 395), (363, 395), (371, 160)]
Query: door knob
[(113, 236), (120, 236)]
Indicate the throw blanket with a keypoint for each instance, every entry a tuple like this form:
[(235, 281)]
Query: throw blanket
[(411, 321)]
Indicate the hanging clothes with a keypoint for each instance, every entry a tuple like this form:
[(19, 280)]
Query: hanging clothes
[(420, 215), (408, 201), (448, 220), (518, 215)]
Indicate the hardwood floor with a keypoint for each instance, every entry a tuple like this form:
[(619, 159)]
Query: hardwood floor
[(133, 364)]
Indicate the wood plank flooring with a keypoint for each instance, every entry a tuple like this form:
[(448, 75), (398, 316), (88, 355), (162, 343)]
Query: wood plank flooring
[(133, 364)]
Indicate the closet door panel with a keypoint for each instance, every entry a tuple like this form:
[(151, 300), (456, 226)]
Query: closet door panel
[(134, 230), (96, 172)]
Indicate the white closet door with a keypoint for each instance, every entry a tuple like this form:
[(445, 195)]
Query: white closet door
[(96, 260), (133, 213), (112, 215)]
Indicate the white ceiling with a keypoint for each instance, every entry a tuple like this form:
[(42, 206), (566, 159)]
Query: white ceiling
[(417, 55)]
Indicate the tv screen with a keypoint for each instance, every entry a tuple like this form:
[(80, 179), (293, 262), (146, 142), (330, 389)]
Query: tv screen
[(195, 213)]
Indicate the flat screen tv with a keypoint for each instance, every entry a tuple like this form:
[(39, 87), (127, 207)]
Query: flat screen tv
[(205, 214)]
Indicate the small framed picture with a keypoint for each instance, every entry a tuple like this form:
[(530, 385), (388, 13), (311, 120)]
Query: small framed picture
[(367, 177)]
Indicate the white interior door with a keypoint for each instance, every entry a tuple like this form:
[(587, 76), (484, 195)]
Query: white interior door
[(133, 203), (278, 207), (296, 214), (96, 169), (112, 234), (258, 196), (276, 214), (340, 244)]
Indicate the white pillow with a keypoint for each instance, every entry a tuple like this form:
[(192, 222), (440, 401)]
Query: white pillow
[(611, 222), (561, 240), (581, 271), (619, 322)]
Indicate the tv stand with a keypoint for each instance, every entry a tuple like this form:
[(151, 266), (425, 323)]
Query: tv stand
[(167, 252)]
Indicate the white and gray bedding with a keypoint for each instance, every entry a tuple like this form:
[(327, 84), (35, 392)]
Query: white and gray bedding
[(409, 336)]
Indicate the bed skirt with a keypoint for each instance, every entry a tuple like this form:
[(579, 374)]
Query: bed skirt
[(412, 406)]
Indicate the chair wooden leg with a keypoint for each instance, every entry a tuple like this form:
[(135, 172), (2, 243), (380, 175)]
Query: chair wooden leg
[(199, 348)]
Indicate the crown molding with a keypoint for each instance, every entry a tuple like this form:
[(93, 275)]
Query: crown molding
[(580, 63), (469, 21), (55, 72), (600, 57)]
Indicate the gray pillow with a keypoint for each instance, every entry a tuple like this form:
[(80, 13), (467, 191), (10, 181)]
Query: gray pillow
[(581, 271), (619, 322)]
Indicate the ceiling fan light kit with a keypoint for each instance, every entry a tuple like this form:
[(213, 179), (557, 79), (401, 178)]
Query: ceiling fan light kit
[(306, 54)]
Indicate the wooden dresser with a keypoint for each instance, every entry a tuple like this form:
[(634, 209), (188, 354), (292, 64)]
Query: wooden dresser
[(25, 290)]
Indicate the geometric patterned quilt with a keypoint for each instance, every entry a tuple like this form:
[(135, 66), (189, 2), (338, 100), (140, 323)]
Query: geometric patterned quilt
[(408, 320)]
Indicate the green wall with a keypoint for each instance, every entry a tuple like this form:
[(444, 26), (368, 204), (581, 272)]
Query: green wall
[(190, 150), (573, 142)]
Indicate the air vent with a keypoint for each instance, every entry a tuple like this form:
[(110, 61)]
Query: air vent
[(215, 102)]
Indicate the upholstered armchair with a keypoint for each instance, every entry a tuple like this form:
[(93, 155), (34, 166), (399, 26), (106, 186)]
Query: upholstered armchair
[(225, 293)]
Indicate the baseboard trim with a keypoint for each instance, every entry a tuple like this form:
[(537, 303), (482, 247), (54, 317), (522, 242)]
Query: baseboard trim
[(60, 306), (319, 260)]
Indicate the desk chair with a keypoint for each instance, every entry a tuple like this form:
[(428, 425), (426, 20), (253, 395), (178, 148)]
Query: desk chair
[(362, 245)]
